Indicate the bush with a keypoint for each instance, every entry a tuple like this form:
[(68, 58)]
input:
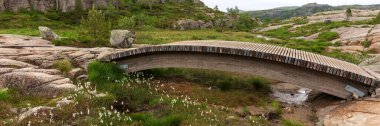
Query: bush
[(328, 36), (64, 66), (366, 44), (5, 95), (127, 22), (95, 27), (99, 72), (245, 23), (259, 84), (225, 84)]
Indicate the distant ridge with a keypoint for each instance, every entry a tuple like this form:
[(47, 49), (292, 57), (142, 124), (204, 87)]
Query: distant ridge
[(304, 10)]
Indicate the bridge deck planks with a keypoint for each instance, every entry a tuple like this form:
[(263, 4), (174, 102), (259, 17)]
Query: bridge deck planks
[(269, 52)]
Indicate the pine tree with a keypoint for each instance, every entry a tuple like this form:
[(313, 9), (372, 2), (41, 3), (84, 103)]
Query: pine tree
[(95, 27), (348, 14)]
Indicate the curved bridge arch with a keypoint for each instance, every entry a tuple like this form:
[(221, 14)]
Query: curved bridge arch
[(289, 65)]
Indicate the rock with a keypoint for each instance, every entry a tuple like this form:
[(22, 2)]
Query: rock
[(122, 38), (8, 40), (34, 83), (356, 113), (352, 36), (14, 64), (289, 110), (6, 70), (47, 71), (375, 47), (190, 24), (47, 33), (346, 49), (340, 15), (74, 73), (13, 110), (321, 113), (82, 77), (64, 102), (32, 111)]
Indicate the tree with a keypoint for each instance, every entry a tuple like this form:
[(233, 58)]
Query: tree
[(216, 8), (233, 12), (348, 14), (245, 23), (95, 27)]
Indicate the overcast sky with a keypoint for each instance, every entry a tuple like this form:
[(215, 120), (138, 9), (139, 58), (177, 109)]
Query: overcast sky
[(269, 4)]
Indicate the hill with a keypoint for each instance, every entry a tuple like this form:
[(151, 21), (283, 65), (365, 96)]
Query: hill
[(305, 10)]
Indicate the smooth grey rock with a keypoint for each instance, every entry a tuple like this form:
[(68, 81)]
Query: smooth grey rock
[(47, 33), (122, 38)]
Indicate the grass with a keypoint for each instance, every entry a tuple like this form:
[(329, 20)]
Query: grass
[(5, 95), (285, 122), (223, 80), (64, 66), (328, 36), (100, 73)]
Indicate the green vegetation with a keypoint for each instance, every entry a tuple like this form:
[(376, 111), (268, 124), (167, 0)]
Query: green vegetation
[(377, 19), (348, 14), (5, 95), (95, 28), (100, 73), (64, 66), (285, 122), (328, 36), (366, 44), (224, 81)]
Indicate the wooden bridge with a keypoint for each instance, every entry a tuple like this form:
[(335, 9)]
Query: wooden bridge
[(329, 75)]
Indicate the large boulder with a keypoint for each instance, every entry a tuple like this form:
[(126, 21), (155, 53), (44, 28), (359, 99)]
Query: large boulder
[(357, 113), (36, 83), (122, 38), (190, 24), (47, 33)]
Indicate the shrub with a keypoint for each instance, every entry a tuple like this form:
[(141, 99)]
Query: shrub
[(328, 36), (99, 72), (95, 27), (366, 44), (127, 22), (225, 84), (277, 107), (5, 94), (64, 66), (299, 21), (259, 84), (245, 23)]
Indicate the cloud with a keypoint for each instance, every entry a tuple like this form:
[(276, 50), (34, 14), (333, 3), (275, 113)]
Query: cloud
[(268, 4)]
